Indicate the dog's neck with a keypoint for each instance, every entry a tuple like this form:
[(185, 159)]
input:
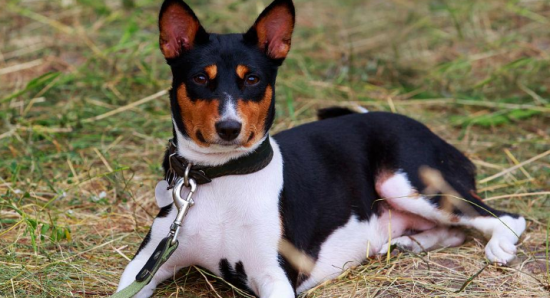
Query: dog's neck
[(214, 155)]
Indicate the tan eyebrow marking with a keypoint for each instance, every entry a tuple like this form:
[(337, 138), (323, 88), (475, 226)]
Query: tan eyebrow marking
[(211, 71), (242, 71)]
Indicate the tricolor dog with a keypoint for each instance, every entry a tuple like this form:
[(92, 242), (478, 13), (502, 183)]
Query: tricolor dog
[(277, 215)]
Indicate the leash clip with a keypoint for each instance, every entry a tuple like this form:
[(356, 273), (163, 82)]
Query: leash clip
[(182, 205)]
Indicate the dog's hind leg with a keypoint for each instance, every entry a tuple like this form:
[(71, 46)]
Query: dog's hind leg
[(438, 237), (453, 206)]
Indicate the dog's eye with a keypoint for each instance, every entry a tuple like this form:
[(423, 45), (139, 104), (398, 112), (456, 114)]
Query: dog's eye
[(200, 79), (252, 80)]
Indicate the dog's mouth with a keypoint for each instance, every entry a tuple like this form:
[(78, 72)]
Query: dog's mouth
[(224, 145), (210, 153), (220, 149)]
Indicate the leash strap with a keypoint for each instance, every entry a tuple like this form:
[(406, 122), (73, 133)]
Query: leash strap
[(163, 251), (167, 245)]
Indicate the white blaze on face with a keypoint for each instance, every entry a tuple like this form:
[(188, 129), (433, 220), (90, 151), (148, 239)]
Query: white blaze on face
[(230, 111)]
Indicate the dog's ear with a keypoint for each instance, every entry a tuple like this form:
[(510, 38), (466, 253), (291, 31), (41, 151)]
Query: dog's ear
[(179, 28), (272, 31)]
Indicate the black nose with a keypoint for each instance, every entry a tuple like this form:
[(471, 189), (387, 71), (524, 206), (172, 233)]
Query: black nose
[(228, 129)]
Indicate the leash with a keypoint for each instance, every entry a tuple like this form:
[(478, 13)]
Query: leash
[(182, 173), (167, 245)]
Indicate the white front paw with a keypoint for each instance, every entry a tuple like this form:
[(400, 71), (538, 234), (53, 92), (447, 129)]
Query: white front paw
[(500, 250), (145, 293)]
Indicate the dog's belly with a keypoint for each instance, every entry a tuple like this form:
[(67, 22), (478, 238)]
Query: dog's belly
[(352, 243)]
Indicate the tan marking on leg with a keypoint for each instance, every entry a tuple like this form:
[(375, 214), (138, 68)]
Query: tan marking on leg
[(254, 115), (198, 115), (475, 195), (211, 71), (242, 71), (380, 179), (451, 199)]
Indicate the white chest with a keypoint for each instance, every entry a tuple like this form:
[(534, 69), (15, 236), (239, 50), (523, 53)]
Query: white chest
[(235, 218)]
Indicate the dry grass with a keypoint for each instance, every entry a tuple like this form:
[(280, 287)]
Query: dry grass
[(83, 126)]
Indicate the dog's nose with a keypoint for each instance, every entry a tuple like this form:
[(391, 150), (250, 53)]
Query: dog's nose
[(228, 129)]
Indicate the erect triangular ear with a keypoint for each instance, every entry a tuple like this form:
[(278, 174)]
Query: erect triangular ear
[(179, 29), (272, 31)]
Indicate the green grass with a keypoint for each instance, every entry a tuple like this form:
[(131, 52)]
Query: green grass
[(76, 187)]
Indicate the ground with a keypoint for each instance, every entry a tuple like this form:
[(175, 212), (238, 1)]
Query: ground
[(85, 119)]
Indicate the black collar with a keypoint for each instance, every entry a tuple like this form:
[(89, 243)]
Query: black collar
[(250, 163)]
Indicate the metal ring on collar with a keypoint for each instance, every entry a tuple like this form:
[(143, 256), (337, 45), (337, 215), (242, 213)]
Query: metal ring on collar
[(186, 175)]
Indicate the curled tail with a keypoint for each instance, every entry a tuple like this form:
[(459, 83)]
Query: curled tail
[(333, 112)]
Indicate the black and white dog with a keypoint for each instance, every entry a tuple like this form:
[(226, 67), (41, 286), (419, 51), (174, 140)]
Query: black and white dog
[(334, 190)]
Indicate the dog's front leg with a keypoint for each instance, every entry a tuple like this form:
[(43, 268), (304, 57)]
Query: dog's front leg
[(158, 231), (275, 285), (280, 290), (129, 275)]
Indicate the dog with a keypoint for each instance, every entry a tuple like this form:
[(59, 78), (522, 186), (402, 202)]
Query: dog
[(332, 191)]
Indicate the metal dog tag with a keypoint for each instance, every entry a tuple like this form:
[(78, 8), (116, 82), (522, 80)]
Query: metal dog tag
[(163, 195)]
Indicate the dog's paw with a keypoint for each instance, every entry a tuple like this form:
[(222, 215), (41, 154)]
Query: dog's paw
[(145, 293), (500, 250)]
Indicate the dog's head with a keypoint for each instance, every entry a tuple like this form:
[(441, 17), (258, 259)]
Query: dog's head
[(223, 88)]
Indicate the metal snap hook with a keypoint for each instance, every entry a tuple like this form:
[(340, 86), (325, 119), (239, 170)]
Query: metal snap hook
[(182, 205), (176, 194)]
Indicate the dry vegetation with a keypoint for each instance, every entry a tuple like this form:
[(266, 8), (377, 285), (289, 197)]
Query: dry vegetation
[(83, 126)]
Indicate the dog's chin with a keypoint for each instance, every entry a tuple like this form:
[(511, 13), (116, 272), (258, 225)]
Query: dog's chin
[(219, 147)]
